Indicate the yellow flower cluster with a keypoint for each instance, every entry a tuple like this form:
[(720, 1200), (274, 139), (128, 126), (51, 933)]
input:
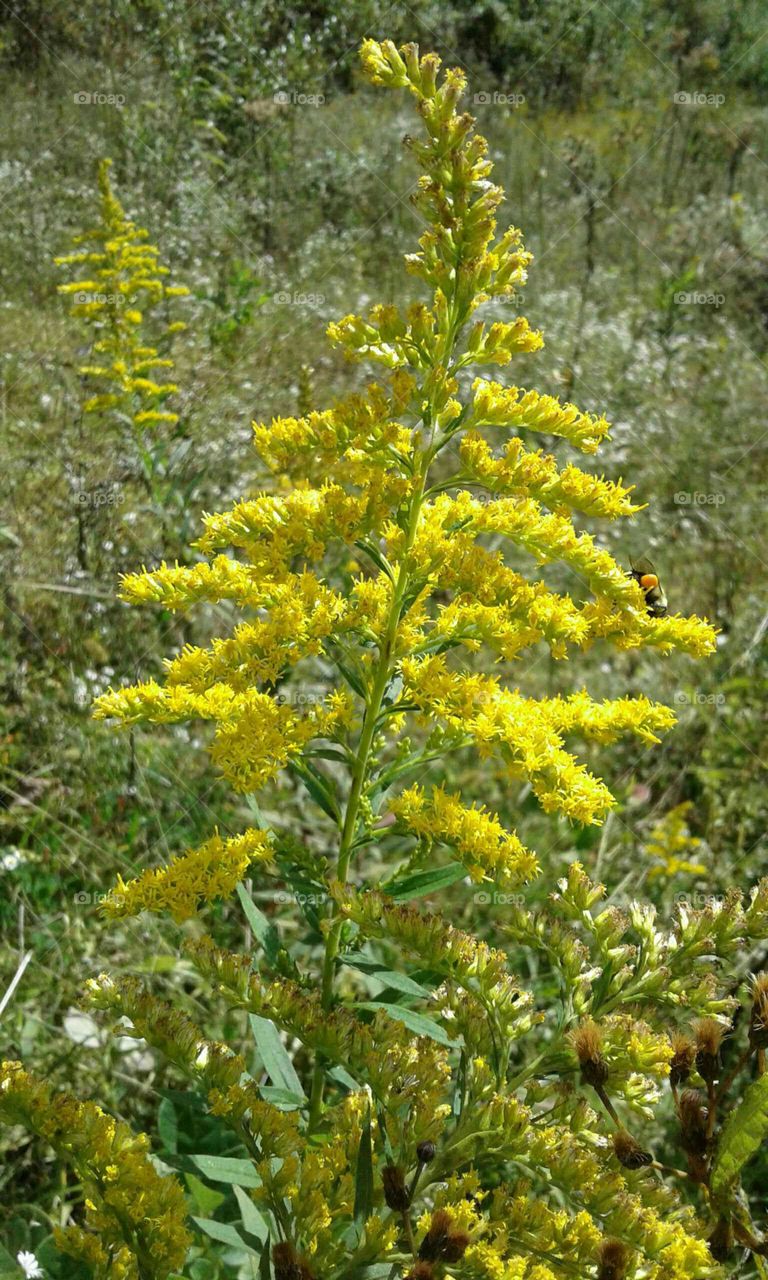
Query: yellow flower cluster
[(272, 529), (191, 879), (365, 563), (527, 734), (481, 842), (349, 443), (536, 475), (124, 281), (134, 1215), (672, 844), (302, 614), (256, 735), (494, 405)]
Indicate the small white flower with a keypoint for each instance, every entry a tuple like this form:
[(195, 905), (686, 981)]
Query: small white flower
[(10, 859), (29, 1265)]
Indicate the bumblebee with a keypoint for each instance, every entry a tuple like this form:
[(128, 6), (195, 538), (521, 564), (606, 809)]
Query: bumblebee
[(647, 578)]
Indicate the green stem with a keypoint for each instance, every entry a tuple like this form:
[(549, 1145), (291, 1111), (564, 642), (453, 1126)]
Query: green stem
[(360, 776)]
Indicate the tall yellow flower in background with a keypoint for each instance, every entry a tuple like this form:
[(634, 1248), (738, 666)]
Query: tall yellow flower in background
[(122, 281)]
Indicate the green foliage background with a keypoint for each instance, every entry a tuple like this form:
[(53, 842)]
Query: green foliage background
[(276, 188)]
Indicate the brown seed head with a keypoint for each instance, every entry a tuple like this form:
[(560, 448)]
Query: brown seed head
[(425, 1152), (421, 1271), (693, 1123), (758, 1019), (588, 1047), (455, 1247), (709, 1037), (287, 1263), (395, 1192), (613, 1259), (683, 1059), (628, 1152), (433, 1245)]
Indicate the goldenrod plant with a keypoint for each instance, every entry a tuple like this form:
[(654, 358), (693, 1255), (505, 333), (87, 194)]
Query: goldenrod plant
[(415, 1107), (122, 293)]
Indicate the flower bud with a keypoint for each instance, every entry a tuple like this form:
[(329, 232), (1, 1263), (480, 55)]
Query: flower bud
[(425, 1152)]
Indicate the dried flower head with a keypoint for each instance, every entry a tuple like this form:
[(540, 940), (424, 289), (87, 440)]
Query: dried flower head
[(758, 1020), (628, 1151), (395, 1191), (613, 1260), (435, 1241), (587, 1042), (683, 1059), (709, 1037)]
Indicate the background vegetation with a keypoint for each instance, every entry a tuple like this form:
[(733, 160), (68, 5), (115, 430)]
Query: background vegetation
[(630, 139)]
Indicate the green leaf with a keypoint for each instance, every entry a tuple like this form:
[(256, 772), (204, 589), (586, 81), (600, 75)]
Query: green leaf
[(415, 1022), (228, 1169), (398, 981), (421, 883), (364, 1174), (168, 1125), (342, 1077), (743, 1132), (319, 788), (401, 982), (283, 1098), (224, 1232), (253, 1222), (206, 1199), (263, 930), (377, 557), (352, 678), (274, 1055), (265, 1270)]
